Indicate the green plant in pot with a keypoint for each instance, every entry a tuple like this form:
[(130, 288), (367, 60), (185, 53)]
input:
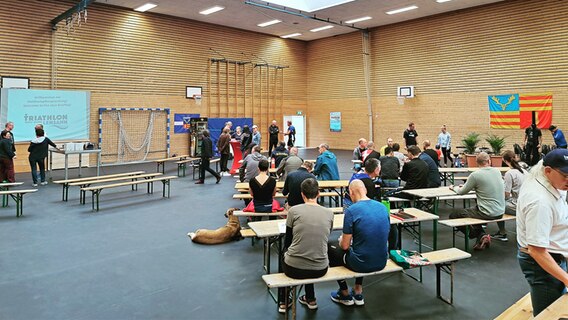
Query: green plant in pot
[(497, 144), (470, 142)]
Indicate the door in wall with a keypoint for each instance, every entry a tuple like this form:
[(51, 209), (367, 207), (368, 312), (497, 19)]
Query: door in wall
[(299, 122)]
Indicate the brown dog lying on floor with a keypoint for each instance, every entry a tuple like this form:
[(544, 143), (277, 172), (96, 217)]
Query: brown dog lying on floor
[(229, 232)]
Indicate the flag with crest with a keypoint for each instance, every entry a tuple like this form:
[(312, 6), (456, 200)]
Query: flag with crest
[(514, 111)]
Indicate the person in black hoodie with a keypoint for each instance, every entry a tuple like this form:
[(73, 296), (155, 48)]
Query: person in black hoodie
[(206, 154), (246, 139), (38, 152), (6, 157)]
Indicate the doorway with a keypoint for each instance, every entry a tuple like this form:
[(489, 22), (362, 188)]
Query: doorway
[(299, 122)]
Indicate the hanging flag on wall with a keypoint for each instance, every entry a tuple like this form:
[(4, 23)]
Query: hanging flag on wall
[(514, 111), (541, 104), (181, 122)]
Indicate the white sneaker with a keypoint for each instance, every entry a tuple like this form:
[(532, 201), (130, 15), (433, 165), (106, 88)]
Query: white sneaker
[(34, 184), (44, 183)]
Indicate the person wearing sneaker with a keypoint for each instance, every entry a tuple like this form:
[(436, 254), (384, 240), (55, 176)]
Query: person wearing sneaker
[(224, 147), (206, 154), (513, 180), (38, 152), (490, 192), (362, 246), (542, 225), (308, 226)]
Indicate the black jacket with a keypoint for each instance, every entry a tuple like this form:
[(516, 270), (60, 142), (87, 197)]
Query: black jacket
[(6, 149), (206, 148), (38, 148)]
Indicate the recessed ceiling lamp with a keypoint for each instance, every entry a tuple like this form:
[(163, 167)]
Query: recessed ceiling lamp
[(321, 28), (291, 35), (358, 20), (211, 10), (268, 23), (402, 10), (442, 1), (146, 7)]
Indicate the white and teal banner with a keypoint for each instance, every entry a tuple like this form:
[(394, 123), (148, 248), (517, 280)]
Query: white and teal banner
[(64, 114)]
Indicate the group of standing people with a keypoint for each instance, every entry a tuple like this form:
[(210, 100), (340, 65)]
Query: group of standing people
[(37, 149)]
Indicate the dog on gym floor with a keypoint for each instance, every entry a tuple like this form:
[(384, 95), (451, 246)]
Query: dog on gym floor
[(229, 232)]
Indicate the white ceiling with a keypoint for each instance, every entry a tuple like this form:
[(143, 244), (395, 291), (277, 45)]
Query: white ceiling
[(239, 15)]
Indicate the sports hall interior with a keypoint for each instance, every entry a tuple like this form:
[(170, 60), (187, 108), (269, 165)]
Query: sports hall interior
[(133, 259)]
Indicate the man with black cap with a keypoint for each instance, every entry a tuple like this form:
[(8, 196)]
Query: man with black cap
[(558, 136), (542, 229)]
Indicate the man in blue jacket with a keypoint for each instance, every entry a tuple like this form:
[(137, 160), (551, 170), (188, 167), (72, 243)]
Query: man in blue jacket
[(326, 164)]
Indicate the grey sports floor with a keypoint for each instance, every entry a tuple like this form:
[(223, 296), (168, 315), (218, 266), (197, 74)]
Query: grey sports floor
[(133, 260)]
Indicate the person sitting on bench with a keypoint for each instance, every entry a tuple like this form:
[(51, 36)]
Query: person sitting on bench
[(489, 189), (308, 226), (363, 245), (513, 180)]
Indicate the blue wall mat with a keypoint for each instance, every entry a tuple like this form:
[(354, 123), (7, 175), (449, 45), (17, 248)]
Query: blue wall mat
[(216, 126)]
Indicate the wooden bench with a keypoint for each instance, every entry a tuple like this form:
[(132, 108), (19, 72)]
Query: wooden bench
[(444, 260), (5, 186), (466, 222), (216, 161), (521, 310), (66, 182), (88, 183), (240, 213), (182, 165), (248, 196), (96, 190), (465, 197), (162, 162), (18, 196)]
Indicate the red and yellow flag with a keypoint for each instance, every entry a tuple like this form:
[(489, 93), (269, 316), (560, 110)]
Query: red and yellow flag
[(541, 104)]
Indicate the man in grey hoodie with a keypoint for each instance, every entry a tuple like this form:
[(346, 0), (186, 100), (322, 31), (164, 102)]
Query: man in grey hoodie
[(38, 152), (249, 167)]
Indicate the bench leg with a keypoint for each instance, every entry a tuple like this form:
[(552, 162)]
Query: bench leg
[(449, 269), (466, 238), (435, 234), (95, 199), (65, 195), (19, 199)]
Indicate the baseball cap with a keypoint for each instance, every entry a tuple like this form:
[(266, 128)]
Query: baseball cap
[(557, 159)]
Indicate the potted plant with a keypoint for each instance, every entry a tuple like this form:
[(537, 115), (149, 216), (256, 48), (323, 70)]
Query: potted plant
[(470, 142), (497, 144)]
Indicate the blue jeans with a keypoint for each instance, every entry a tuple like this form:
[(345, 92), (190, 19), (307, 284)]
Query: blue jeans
[(545, 289), (391, 183), (41, 165)]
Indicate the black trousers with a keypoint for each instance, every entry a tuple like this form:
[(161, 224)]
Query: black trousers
[(296, 273), (272, 143), (532, 154), (203, 166), (336, 257), (447, 156), (224, 160)]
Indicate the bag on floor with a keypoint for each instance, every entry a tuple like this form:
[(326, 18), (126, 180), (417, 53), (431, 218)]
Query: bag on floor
[(408, 259)]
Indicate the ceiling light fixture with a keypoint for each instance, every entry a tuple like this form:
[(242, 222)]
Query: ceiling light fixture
[(291, 35), (321, 28), (268, 23), (358, 20), (211, 10), (146, 7), (402, 10), (442, 1)]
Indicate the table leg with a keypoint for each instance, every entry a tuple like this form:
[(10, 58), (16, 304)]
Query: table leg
[(80, 158), (435, 231), (98, 163), (66, 166)]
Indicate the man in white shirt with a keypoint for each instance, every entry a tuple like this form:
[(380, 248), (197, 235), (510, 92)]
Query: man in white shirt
[(542, 229)]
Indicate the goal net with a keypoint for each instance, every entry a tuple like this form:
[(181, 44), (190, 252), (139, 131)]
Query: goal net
[(133, 135)]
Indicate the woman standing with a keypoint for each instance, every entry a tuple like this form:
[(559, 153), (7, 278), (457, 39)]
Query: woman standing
[(224, 149), (38, 152), (445, 141), (7, 155)]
